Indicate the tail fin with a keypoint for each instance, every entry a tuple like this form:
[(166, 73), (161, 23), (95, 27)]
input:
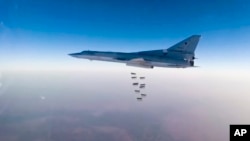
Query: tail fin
[(186, 46)]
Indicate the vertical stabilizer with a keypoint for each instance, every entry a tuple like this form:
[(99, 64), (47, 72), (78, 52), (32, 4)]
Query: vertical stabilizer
[(186, 46)]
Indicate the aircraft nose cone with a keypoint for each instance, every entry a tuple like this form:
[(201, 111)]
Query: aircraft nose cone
[(73, 54)]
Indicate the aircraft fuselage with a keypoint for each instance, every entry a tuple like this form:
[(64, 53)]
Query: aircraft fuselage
[(150, 60), (180, 55)]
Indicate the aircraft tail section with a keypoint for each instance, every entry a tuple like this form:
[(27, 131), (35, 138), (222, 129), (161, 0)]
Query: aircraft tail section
[(186, 46)]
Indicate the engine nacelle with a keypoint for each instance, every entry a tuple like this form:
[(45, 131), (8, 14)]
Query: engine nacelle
[(191, 63)]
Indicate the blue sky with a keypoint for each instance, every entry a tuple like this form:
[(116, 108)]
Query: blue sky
[(44, 30)]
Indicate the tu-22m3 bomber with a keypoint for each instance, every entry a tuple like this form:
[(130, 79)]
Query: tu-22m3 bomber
[(180, 55)]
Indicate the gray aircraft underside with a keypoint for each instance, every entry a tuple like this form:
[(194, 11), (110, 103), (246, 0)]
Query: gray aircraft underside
[(180, 55)]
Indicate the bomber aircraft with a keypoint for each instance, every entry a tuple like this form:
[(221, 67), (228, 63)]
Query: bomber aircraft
[(180, 55)]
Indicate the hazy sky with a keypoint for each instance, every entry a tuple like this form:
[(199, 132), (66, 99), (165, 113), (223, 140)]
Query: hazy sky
[(39, 34), (181, 105)]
